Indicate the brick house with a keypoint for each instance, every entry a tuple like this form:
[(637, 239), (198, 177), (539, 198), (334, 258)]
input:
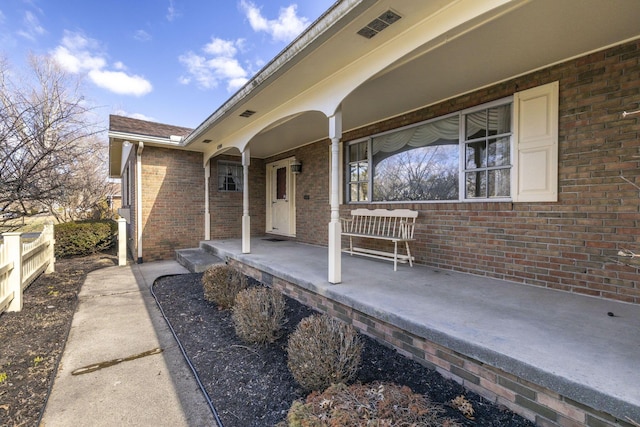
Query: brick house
[(511, 126)]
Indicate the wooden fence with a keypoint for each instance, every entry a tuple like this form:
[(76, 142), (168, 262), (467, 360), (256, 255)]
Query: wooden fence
[(21, 263)]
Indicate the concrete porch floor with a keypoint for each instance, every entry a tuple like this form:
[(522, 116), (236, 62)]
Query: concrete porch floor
[(565, 342)]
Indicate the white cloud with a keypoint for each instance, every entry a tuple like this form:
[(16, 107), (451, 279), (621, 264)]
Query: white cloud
[(142, 35), (139, 116), (218, 65), (32, 26), (171, 12), (78, 53), (220, 47), (120, 82), (285, 28)]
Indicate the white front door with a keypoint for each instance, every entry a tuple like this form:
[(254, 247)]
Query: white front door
[(280, 198)]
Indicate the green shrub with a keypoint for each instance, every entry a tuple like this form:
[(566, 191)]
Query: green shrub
[(221, 284), (84, 237), (376, 404), (322, 351), (258, 315)]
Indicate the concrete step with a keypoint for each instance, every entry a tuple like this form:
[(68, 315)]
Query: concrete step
[(196, 260)]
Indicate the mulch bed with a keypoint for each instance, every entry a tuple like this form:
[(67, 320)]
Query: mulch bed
[(32, 340), (252, 386)]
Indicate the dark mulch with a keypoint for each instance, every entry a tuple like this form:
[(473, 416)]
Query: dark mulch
[(252, 386), (32, 340)]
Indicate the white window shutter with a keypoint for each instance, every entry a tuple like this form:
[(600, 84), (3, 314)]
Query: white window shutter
[(535, 132)]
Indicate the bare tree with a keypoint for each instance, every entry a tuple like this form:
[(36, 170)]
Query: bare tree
[(87, 189), (426, 173), (45, 135)]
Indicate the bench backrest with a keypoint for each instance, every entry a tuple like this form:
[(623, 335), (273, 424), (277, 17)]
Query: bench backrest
[(397, 223)]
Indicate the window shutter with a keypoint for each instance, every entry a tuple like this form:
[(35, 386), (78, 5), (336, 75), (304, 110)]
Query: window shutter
[(536, 144)]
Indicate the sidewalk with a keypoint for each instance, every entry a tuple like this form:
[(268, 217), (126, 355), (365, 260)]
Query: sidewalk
[(117, 318)]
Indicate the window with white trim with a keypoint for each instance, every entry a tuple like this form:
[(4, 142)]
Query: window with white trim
[(230, 176), (487, 152), (505, 150), (422, 162)]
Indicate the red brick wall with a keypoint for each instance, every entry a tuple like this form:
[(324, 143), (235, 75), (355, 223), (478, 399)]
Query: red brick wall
[(226, 207), (172, 201), (570, 245)]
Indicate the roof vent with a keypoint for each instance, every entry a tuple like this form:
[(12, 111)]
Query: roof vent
[(247, 113), (379, 24), (206, 141)]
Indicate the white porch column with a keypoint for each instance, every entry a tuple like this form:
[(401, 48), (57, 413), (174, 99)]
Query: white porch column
[(207, 212), (335, 228), (139, 212), (246, 220)]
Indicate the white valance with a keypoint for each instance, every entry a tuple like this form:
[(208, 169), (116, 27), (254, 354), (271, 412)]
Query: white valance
[(443, 131), (447, 129)]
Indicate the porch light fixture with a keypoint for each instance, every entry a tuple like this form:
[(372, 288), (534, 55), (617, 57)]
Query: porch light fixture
[(296, 167), (379, 24)]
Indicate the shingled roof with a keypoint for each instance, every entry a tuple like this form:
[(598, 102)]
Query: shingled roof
[(143, 127)]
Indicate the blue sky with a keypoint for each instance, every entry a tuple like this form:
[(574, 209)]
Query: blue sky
[(170, 61)]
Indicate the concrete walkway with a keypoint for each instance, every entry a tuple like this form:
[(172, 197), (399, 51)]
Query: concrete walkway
[(117, 318)]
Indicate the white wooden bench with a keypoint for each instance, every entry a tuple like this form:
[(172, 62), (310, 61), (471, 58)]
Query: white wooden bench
[(394, 226)]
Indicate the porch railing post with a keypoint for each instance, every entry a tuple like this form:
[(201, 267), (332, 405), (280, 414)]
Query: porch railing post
[(51, 257), (122, 241), (335, 228), (13, 253)]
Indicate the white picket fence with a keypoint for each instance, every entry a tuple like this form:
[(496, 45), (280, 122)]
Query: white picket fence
[(21, 263)]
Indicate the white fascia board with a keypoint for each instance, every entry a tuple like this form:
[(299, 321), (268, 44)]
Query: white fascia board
[(132, 137)]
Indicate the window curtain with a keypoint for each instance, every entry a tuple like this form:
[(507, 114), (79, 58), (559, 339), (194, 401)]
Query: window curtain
[(493, 120), (444, 130)]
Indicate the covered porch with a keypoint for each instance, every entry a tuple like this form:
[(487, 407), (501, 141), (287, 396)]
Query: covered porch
[(546, 354)]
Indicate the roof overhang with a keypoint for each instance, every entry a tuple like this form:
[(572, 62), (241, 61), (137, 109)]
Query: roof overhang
[(438, 50), (121, 143)]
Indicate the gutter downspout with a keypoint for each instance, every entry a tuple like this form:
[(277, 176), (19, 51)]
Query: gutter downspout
[(139, 198)]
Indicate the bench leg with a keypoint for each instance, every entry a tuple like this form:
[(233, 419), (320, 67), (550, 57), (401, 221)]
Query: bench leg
[(409, 254), (350, 245), (395, 256)]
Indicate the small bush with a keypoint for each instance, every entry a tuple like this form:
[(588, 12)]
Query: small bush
[(258, 315), (376, 404), (84, 237), (322, 351), (221, 284), (464, 406)]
